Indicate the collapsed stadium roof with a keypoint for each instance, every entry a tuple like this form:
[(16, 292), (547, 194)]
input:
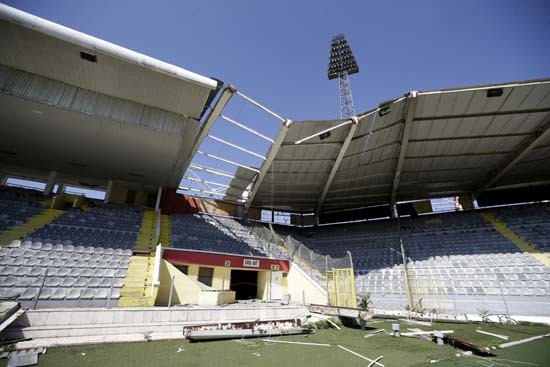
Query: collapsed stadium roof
[(422, 145), (92, 110)]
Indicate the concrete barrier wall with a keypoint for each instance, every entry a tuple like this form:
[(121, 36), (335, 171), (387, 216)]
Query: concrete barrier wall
[(55, 323)]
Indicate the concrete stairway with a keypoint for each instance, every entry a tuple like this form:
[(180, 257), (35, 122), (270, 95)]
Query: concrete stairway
[(146, 238), (165, 231), (32, 224), (137, 289), (501, 227)]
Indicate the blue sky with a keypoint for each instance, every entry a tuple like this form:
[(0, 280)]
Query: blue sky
[(277, 51)]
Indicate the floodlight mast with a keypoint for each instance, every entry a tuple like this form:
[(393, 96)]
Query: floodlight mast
[(341, 65)]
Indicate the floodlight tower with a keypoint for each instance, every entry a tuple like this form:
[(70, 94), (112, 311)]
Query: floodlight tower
[(341, 65)]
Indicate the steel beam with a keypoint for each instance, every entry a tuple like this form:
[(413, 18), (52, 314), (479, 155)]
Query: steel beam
[(228, 161), (268, 161), (179, 170), (336, 164), (197, 179), (409, 116), (527, 145), (233, 122), (483, 114), (519, 185), (213, 171), (238, 147), (495, 136)]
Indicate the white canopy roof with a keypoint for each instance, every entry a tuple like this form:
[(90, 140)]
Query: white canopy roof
[(422, 145), (93, 110)]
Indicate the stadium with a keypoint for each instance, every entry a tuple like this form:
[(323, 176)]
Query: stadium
[(126, 236)]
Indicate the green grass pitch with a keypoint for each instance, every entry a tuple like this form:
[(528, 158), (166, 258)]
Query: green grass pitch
[(401, 351)]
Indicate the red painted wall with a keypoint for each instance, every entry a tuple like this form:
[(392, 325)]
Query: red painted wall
[(212, 259), (172, 202)]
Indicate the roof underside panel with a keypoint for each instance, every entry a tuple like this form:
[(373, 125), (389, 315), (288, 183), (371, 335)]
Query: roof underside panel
[(110, 114), (242, 179), (41, 54), (458, 140)]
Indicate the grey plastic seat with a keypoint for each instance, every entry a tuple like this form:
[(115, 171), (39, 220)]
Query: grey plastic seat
[(75, 272), (6, 260), (73, 294), (36, 246), (37, 272), (7, 281), (101, 294), (87, 294), (33, 261), (45, 262), (99, 273), (59, 294), (109, 273), (115, 293), (40, 254), (47, 246), (8, 294), (63, 272), (29, 293), (67, 282), (87, 272), (52, 282), (93, 283), (46, 293), (15, 243), (7, 270), (81, 282), (57, 247), (106, 282)]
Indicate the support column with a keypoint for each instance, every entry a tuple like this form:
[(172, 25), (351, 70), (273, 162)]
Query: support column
[(50, 183), (159, 196), (61, 188), (108, 192), (268, 161), (407, 127)]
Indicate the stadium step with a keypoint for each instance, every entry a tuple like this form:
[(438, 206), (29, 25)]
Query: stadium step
[(31, 225), (501, 227), (147, 234), (137, 289), (165, 230)]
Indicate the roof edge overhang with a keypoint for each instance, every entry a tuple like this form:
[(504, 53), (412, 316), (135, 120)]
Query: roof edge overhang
[(52, 29)]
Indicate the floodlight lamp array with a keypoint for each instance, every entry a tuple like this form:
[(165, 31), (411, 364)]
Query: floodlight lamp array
[(341, 58)]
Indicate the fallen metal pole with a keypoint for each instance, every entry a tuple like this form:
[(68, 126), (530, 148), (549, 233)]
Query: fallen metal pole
[(300, 343), (376, 360), (361, 356)]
